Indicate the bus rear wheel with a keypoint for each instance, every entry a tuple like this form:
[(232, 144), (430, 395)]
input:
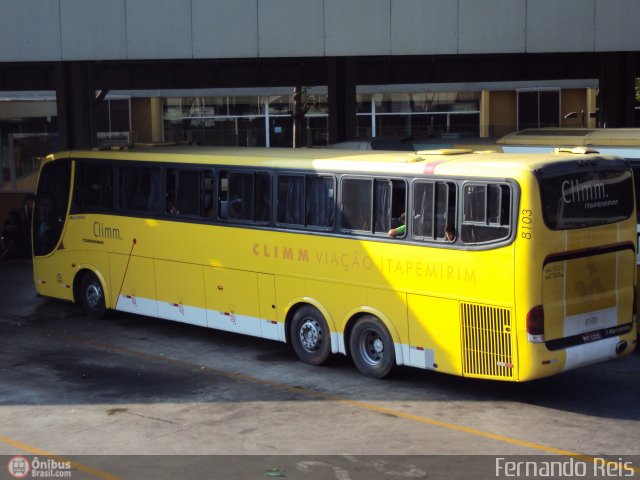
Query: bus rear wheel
[(372, 347), (310, 336), (92, 296)]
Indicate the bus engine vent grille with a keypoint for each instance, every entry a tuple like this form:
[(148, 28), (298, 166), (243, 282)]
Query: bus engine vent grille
[(486, 341)]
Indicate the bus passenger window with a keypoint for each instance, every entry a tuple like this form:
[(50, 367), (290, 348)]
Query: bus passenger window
[(389, 204), (475, 204), (306, 200), (245, 196), (357, 204), (262, 198), (319, 201), (434, 207), (207, 194), (171, 201), (423, 202), (486, 212), (93, 186), (141, 189), (186, 191), (223, 195), (240, 201), (373, 205), (188, 188), (290, 199)]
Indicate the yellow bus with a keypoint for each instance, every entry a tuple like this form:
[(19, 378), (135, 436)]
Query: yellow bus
[(508, 267)]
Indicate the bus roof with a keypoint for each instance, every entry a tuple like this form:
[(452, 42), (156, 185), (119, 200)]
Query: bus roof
[(441, 162), (587, 137)]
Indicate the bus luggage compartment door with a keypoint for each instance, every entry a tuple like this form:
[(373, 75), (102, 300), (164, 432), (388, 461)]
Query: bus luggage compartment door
[(180, 292), (232, 300), (133, 284)]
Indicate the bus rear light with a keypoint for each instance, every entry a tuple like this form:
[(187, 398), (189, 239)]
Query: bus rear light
[(535, 325)]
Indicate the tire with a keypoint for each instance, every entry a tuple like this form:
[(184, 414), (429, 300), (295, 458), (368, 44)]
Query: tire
[(372, 347), (92, 296), (310, 336)]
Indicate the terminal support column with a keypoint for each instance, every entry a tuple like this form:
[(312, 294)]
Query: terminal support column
[(342, 99), (616, 97), (75, 98)]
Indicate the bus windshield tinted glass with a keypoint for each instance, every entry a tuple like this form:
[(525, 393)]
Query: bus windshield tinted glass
[(580, 199)]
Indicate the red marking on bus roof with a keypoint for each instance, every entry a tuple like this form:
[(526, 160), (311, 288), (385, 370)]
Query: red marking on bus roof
[(420, 349), (429, 168)]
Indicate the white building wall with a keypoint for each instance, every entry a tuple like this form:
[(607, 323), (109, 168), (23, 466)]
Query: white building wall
[(491, 26), (224, 28), (89, 30), (419, 26), (616, 26), (53, 30), (570, 29), (29, 30), (282, 34), (158, 28), (357, 27)]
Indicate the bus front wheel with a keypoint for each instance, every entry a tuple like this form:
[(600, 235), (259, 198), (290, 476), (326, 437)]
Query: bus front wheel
[(372, 347), (310, 336), (92, 296)]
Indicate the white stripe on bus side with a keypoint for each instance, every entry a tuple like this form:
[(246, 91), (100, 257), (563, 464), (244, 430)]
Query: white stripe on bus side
[(233, 322), (141, 306), (182, 313), (228, 321)]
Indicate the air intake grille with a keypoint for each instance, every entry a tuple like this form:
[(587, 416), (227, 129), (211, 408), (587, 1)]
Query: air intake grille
[(486, 341)]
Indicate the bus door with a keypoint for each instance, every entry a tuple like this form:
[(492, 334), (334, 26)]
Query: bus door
[(49, 214)]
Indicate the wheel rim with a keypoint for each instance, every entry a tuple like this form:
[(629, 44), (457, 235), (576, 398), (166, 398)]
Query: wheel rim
[(372, 347), (93, 294), (310, 334)]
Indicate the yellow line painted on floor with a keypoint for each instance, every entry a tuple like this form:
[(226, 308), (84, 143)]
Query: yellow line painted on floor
[(74, 465), (326, 396)]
